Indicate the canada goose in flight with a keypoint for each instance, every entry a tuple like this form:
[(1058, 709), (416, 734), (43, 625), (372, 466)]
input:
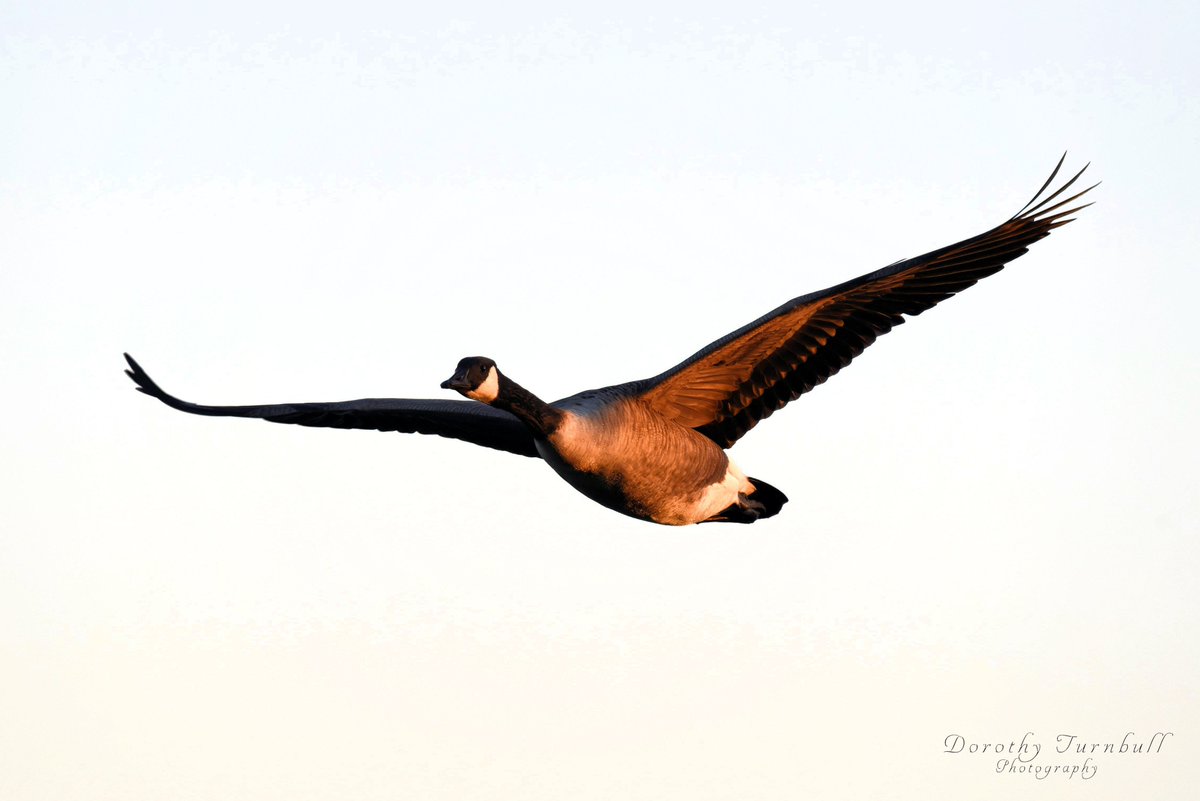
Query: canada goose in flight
[(654, 449)]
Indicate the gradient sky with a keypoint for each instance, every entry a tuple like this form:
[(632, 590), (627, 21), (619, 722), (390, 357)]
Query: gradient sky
[(993, 524)]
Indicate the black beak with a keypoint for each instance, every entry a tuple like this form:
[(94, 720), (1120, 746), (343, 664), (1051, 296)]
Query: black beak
[(457, 382)]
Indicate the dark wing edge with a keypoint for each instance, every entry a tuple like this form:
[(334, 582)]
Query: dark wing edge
[(469, 421), (726, 388)]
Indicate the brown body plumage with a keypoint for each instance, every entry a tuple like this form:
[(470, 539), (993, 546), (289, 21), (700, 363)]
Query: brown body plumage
[(654, 449), (628, 457)]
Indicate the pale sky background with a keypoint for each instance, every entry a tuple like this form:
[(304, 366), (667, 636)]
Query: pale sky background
[(993, 518)]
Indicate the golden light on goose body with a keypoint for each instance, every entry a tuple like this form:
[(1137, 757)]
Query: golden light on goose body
[(655, 449)]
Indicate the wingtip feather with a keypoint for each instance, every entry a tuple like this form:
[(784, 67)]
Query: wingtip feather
[(1039, 205)]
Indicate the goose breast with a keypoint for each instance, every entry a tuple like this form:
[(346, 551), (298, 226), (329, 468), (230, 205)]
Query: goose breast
[(624, 455)]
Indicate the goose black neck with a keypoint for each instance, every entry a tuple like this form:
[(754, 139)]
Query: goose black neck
[(539, 416)]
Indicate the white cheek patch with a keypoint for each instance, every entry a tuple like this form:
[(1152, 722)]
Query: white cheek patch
[(488, 390)]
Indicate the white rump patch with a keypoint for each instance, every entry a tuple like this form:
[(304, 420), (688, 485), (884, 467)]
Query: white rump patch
[(722, 494)]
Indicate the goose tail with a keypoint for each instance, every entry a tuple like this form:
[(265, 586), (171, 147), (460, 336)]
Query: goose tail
[(771, 499), (764, 501)]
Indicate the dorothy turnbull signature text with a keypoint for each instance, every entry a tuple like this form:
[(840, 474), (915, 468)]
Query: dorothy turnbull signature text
[(1067, 756)]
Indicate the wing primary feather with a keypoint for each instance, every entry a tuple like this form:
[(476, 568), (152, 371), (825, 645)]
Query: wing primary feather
[(1049, 180), (799, 345), (468, 421), (1041, 209), (1045, 216)]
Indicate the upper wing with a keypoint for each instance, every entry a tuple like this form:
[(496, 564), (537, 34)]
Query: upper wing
[(726, 388), (465, 420)]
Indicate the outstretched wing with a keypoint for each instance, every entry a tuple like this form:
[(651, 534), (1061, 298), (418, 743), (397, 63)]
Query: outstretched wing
[(725, 389), (465, 420)]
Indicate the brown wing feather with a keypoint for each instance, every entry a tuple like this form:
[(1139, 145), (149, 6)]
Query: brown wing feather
[(725, 389)]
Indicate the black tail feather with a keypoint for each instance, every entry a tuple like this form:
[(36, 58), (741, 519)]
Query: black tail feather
[(768, 496), (765, 501)]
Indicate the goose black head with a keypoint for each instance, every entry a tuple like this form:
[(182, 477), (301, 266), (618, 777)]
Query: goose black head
[(477, 378)]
